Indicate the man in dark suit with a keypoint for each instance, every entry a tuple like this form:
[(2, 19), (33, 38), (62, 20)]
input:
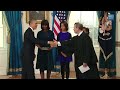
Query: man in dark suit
[(28, 55), (82, 47)]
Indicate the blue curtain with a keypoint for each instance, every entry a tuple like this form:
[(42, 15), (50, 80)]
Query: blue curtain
[(15, 25), (106, 46)]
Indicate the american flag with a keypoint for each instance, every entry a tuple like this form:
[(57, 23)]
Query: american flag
[(58, 16)]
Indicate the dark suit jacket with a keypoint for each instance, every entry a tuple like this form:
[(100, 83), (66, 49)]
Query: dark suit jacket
[(29, 45), (82, 48)]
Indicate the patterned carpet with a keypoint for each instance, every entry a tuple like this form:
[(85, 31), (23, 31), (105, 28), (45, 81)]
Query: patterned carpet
[(53, 76), (37, 76)]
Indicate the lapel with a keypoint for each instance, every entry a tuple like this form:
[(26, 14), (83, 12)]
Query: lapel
[(31, 31)]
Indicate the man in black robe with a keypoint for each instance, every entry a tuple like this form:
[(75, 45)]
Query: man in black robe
[(27, 53), (82, 47)]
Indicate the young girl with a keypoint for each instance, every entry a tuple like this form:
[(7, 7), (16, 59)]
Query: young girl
[(64, 60)]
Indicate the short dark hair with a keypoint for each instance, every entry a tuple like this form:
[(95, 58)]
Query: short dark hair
[(84, 27), (79, 25), (45, 22), (87, 30), (31, 21), (65, 24)]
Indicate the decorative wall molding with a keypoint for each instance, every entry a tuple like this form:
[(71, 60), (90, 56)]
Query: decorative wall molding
[(117, 43)]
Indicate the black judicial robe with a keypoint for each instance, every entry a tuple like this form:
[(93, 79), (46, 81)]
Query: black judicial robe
[(84, 52), (27, 53)]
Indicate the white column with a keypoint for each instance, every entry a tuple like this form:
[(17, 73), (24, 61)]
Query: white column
[(118, 48)]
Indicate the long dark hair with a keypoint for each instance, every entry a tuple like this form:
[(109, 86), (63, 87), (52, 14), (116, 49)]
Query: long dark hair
[(45, 22), (65, 24)]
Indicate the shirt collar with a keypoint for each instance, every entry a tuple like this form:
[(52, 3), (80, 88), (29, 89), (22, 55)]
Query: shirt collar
[(31, 28), (80, 33)]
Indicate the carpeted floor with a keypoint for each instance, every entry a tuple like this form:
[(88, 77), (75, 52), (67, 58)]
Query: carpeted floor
[(37, 76), (53, 76)]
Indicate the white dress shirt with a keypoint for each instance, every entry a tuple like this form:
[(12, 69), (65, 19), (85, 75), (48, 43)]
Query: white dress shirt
[(80, 33), (31, 28)]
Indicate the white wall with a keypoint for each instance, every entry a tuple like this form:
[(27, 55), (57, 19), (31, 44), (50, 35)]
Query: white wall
[(3, 62), (4, 53), (118, 48), (26, 25)]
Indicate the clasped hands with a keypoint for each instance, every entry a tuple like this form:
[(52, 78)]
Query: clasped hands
[(52, 44)]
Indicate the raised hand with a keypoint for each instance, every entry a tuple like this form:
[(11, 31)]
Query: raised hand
[(55, 43), (52, 44), (64, 54)]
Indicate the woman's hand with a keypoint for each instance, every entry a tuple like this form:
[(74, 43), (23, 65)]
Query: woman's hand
[(50, 48), (63, 54)]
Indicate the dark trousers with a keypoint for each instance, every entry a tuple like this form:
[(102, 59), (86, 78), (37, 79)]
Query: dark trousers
[(65, 68), (27, 69)]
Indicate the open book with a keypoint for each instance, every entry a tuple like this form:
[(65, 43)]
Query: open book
[(83, 69)]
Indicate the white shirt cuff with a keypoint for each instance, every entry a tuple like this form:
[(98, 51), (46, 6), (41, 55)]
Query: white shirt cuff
[(48, 42), (59, 44)]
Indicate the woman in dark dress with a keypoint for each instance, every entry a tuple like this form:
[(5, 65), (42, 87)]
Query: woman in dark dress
[(64, 60), (44, 56)]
